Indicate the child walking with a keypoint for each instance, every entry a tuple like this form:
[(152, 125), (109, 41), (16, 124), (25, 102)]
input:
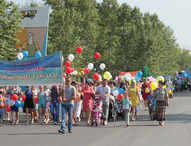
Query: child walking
[(126, 106), (151, 106), (42, 104), (3, 107)]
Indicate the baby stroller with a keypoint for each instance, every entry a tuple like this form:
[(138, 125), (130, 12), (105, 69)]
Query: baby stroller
[(119, 109), (112, 115), (97, 112)]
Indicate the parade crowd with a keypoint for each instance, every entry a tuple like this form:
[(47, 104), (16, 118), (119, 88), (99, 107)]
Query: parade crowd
[(100, 101)]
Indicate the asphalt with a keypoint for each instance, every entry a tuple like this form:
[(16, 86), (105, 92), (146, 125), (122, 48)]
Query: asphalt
[(143, 132)]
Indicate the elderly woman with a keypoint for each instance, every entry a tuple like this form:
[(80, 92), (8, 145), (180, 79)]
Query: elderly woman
[(162, 100), (88, 93)]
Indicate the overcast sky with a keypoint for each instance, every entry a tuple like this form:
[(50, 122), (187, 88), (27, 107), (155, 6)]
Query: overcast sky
[(173, 13)]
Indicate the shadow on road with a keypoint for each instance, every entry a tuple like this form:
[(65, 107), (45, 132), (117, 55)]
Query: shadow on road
[(179, 118)]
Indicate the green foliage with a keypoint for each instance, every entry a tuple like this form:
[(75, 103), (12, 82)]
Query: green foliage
[(10, 24), (126, 38)]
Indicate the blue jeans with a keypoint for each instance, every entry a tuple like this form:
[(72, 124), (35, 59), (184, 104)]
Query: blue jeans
[(2, 113), (65, 109), (60, 111), (54, 106)]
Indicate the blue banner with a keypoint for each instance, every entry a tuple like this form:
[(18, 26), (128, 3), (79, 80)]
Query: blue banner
[(43, 71)]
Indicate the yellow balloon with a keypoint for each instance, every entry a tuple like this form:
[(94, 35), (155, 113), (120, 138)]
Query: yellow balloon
[(159, 78), (100, 78), (164, 86), (81, 72), (153, 85), (107, 75), (170, 92)]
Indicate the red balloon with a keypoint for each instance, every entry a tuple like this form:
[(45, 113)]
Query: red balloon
[(120, 96), (86, 71), (14, 97), (8, 108), (36, 100), (71, 70), (67, 63), (79, 49), (96, 76), (68, 70), (64, 75), (23, 98), (97, 55)]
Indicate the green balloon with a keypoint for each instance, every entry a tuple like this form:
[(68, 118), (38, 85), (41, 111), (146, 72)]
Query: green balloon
[(126, 78)]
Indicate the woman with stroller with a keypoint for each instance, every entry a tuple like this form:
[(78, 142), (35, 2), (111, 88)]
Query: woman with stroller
[(112, 87), (88, 93), (135, 98)]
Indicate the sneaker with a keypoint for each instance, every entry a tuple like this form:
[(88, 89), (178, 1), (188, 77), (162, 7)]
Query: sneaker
[(105, 123), (127, 125), (70, 131), (61, 131), (1, 124)]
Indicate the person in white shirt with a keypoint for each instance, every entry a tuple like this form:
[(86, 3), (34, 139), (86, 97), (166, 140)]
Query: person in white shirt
[(104, 91), (169, 84)]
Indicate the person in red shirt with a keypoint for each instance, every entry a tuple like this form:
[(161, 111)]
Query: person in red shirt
[(145, 88)]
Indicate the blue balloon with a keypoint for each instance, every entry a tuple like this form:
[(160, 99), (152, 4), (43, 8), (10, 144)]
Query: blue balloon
[(139, 74), (151, 75), (137, 78), (7, 100), (121, 91), (22, 104), (17, 103), (89, 80), (25, 53), (38, 55)]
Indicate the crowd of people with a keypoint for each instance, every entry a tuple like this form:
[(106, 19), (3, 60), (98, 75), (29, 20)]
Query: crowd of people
[(68, 103)]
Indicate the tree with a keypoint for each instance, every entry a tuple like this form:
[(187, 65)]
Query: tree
[(108, 40), (10, 25)]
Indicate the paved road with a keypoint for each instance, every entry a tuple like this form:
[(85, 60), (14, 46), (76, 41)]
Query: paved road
[(176, 132)]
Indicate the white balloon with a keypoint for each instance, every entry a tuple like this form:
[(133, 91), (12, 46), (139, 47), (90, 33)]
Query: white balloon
[(75, 72), (11, 102), (62, 58), (115, 93), (102, 66), (90, 66), (71, 57), (20, 56)]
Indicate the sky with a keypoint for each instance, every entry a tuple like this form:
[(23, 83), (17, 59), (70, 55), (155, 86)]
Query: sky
[(173, 13)]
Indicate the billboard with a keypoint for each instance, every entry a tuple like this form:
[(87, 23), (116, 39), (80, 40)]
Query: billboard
[(33, 37)]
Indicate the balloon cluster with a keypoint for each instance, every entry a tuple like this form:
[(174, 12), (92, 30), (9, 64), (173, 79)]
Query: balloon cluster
[(25, 54), (85, 70), (15, 101)]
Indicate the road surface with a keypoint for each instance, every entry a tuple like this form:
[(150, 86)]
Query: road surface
[(143, 132)]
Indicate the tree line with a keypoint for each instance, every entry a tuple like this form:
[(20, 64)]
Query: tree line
[(126, 38)]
